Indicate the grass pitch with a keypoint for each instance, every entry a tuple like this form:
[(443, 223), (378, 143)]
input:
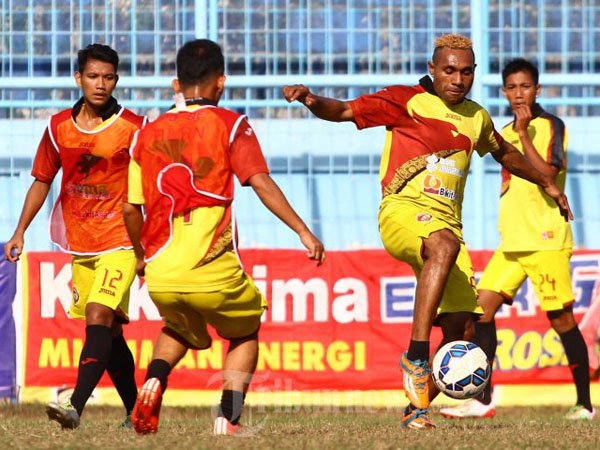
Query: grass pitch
[(26, 427)]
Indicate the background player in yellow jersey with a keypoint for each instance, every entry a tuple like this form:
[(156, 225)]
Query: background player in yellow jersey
[(182, 172), (535, 242), (432, 131), (90, 143)]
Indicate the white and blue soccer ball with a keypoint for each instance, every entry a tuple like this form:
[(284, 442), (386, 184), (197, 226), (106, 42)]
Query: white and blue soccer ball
[(460, 369)]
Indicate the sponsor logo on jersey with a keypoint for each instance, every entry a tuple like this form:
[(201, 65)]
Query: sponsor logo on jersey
[(547, 235), (424, 217), (91, 191), (446, 165), (453, 116), (433, 185)]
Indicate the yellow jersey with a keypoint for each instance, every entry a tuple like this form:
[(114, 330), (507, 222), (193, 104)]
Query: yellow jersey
[(428, 145), (529, 220)]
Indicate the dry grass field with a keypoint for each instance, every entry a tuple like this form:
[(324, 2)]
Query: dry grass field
[(26, 427)]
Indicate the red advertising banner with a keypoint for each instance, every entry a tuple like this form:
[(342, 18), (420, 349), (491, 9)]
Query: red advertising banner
[(341, 326)]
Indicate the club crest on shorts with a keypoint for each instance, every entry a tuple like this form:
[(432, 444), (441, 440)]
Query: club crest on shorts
[(75, 295), (424, 217)]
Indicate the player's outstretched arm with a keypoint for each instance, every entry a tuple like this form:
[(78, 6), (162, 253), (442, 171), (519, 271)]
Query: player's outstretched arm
[(134, 221), (513, 161), (272, 197), (323, 107), (36, 196)]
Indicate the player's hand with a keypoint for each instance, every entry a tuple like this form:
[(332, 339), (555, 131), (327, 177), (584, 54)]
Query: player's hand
[(315, 248), (561, 200), (140, 267), (13, 248), (298, 92), (522, 118)]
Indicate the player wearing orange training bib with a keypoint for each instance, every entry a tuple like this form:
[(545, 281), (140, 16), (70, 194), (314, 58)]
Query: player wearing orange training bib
[(182, 173), (534, 242), (432, 131), (90, 143)]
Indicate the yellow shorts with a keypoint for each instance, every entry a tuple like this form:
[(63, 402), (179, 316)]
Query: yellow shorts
[(232, 312), (403, 228), (103, 279), (548, 270)]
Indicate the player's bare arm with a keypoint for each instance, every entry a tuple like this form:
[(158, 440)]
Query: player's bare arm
[(134, 221), (272, 197), (523, 116), (36, 196), (323, 107), (517, 164)]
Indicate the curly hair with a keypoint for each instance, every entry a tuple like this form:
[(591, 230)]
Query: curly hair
[(457, 41), (453, 41)]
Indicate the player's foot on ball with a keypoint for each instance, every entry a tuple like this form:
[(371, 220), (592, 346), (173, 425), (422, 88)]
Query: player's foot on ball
[(147, 407), (417, 419), (580, 412), (415, 378), (224, 427), (469, 408), (63, 413)]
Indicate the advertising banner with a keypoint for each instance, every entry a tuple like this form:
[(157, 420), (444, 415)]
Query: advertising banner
[(341, 326), (8, 282)]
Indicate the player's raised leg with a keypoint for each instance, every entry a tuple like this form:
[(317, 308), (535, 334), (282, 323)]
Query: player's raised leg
[(168, 351), (440, 251)]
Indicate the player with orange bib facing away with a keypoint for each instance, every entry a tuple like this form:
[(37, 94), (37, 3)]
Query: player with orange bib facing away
[(535, 242), (432, 131), (182, 174), (90, 142)]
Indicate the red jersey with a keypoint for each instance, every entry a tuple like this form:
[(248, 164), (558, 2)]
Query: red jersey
[(187, 159), (87, 218)]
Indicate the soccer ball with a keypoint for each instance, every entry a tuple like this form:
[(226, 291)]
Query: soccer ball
[(460, 369)]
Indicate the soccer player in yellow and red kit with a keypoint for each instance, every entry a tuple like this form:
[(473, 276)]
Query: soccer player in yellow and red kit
[(182, 173), (90, 142), (535, 242), (432, 131)]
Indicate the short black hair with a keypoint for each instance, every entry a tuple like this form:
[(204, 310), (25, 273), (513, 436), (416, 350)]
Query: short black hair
[(198, 60), (520, 65), (99, 52)]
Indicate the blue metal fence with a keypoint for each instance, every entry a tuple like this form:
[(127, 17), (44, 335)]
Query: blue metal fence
[(342, 48)]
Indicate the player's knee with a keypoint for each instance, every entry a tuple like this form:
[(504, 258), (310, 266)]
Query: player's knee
[(562, 320), (97, 314), (446, 248)]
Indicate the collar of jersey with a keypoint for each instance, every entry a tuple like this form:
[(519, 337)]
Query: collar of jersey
[(536, 111), (190, 107), (109, 115), (110, 109), (427, 83)]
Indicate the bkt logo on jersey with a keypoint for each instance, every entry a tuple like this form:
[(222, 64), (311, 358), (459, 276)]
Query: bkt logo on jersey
[(433, 185)]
